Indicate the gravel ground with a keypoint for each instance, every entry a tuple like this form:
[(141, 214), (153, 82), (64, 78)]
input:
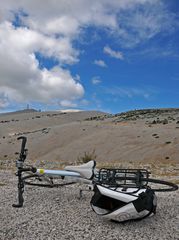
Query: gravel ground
[(60, 214)]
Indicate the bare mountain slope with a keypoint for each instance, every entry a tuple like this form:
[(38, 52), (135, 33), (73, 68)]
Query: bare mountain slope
[(133, 138)]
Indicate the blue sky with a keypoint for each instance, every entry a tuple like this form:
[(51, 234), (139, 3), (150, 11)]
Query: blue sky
[(105, 55)]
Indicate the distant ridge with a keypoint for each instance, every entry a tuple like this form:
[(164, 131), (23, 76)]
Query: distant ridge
[(146, 113), (26, 110), (31, 110), (149, 110)]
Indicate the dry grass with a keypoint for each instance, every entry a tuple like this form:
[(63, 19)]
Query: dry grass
[(88, 156), (2, 184)]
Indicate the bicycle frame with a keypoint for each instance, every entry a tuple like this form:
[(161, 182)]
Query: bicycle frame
[(83, 173)]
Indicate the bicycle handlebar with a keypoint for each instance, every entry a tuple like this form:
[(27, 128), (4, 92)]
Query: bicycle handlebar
[(24, 140), (23, 152)]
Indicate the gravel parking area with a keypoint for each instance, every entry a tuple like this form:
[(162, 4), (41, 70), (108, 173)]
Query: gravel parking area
[(60, 214)]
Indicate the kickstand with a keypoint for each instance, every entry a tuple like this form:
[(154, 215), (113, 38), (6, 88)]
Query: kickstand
[(84, 190)]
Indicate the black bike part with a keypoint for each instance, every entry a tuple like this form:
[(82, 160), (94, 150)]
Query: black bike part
[(115, 176), (23, 152), (135, 178), (20, 190), (21, 185), (24, 140), (173, 186)]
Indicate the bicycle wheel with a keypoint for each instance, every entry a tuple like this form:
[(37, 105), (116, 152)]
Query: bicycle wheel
[(170, 186), (43, 181)]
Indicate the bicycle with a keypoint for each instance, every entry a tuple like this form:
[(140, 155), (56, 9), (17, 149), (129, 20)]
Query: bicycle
[(119, 194)]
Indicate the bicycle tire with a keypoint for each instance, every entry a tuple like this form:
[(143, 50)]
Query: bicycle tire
[(172, 186), (52, 185)]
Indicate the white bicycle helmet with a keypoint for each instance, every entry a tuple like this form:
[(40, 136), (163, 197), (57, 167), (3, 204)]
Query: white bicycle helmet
[(123, 204)]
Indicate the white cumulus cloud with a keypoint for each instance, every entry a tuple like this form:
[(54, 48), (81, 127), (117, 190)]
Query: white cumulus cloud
[(21, 79), (50, 29)]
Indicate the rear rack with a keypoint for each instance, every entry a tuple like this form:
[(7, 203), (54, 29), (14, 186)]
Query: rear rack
[(123, 177)]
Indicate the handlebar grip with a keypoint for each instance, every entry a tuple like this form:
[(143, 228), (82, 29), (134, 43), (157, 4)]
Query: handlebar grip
[(24, 140)]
